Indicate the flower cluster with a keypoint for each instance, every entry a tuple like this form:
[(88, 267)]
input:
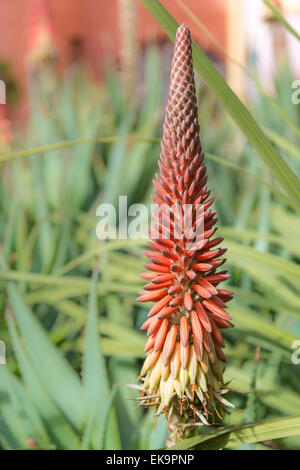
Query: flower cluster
[(41, 32), (182, 374)]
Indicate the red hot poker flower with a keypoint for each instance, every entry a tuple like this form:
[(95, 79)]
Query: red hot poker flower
[(5, 128), (41, 32), (182, 375)]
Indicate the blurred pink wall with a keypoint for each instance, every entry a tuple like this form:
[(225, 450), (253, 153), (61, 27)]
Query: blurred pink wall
[(96, 24)]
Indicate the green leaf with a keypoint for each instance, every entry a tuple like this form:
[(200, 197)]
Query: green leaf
[(21, 400), (243, 256), (52, 369), (123, 348), (284, 144), (252, 298), (106, 327), (249, 235), (95, 381), (234, 436), (250, 322), (59, 430), (13, 434), (79, 284), (234, 107), (97, 391), (279, 398), (71, 143), (282, 20), (114, 181), (104, 422)]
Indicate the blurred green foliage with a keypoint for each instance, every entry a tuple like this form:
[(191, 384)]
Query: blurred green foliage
[(68, 311)]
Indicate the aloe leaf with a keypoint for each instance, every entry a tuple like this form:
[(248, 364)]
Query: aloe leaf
[(52, 369), (95, 380), (280, 18), (57, 427), (251, 322), (244, 434), (13, 434), (71, 143), (234, 106)]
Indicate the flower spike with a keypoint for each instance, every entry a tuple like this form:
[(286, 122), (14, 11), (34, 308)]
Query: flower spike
[(182, 369), (41, 33)]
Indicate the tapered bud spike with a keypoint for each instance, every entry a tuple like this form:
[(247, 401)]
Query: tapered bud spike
[(184, 348)]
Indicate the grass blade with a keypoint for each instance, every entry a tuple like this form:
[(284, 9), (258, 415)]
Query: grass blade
[(282, 20), (234, 107), (95, 381)]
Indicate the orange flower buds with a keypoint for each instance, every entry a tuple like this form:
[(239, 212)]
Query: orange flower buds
[(182, 375)]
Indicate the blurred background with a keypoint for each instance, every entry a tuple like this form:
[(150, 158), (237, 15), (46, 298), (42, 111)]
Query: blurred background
[(80, 77)]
